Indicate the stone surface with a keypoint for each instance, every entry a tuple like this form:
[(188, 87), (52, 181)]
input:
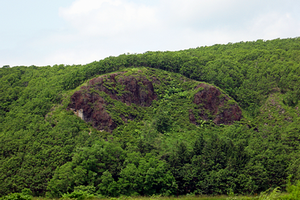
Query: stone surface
[(215, 106), (90, 106)]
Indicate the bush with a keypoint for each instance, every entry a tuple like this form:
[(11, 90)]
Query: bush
[(293, 191), (17, 196), (79, 195)]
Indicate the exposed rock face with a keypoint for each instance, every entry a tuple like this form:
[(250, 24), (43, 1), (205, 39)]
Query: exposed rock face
[(90, 106), (97, 104), (138, 90), (215, 106)]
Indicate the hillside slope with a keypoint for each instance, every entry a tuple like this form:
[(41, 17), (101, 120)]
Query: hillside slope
[(208, 120)]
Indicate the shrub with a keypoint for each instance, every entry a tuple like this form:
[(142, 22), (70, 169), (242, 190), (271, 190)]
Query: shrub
[(25, 195), (79, 195), (293, 191)]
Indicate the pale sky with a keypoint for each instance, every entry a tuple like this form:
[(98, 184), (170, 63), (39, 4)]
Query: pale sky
[(48, 32)]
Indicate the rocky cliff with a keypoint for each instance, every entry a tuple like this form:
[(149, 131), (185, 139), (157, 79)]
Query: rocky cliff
[(90, 105), (92, 101), (215, 105)]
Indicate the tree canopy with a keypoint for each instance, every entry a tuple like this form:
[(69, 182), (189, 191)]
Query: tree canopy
[(46, 148)]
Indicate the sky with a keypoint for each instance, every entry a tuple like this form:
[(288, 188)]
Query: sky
[(48, 32)]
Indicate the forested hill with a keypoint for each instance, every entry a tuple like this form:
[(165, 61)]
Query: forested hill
[(208, 120)]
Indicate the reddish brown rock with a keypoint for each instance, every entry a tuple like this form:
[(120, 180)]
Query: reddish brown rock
[(215, 106), (90, 106)]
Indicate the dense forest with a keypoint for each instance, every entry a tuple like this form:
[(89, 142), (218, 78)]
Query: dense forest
[(165, 144)]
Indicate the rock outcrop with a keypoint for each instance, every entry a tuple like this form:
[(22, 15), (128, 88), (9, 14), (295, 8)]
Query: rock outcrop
[(90, 106), (215, 106), (99, 102)]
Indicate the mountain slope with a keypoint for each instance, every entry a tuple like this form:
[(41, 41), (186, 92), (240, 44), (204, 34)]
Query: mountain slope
[(206, 120)]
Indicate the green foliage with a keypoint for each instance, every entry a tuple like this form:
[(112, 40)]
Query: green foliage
[(27, 191), (47, 149), (25, 195), (273, 195), (17, 196), (146, 176), (108, 186), (86, 168), (293, 191), (90, 189), (79, 195)]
